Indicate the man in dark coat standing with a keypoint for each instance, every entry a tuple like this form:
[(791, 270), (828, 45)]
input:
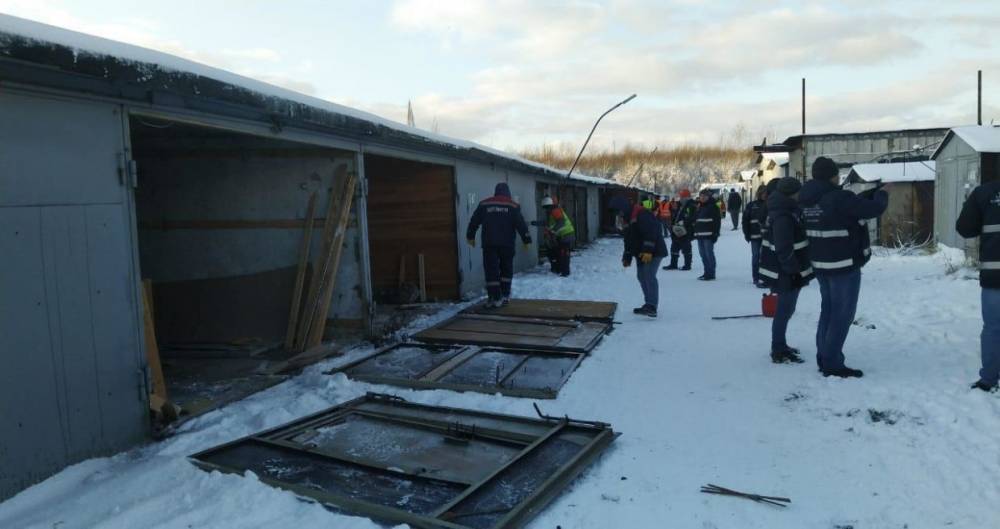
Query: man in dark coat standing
[(980, 217), (753, 220), (839, 245), (784, 263), (733, 204), (682, 231), (707, 226), (500, 218), (644, 242)]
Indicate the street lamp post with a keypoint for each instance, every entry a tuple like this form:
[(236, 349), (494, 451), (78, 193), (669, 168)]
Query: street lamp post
[(608, 111)]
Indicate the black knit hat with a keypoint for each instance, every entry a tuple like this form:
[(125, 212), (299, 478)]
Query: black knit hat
[(788, 186), (825, 169), (772, 186)]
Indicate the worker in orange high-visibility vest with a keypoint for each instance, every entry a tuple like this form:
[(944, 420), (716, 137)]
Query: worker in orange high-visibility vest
[(664, 214)]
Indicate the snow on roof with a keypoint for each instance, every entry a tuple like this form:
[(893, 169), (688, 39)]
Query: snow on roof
[(748, 174), (84, 44), (894, 172), (980, 138)]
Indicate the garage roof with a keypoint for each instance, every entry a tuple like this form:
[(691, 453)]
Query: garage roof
[(40, 54)]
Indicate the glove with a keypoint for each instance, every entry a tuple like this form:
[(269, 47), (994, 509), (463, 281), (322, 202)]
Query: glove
[(472, 242), (715, 239), (627, 262), (645, 257)]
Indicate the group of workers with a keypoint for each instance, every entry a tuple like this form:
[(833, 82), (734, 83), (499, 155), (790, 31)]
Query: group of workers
[(796, 232)]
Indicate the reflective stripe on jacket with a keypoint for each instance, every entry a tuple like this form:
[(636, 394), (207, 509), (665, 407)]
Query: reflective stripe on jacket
[(980, 217)]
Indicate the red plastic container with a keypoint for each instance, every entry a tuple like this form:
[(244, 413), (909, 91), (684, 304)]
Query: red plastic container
[(769, 305)]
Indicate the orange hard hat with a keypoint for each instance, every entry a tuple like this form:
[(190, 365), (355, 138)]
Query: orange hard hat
[(685, 193)]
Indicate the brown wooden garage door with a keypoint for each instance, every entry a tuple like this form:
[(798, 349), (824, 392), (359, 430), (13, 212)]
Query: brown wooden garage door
[(411, 211)]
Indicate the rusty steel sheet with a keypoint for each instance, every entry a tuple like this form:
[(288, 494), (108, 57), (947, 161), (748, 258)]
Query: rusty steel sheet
[(554, 309), (427, 466)]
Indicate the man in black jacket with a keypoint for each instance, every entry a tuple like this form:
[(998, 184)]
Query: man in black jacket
[(980, 217), (835, 221), (753, 219), (784, 263), (707, 226), (500, 218), (733, 206), (644, 242), (682, 231)]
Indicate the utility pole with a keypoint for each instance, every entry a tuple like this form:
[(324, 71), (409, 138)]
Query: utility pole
[(979, 99), (803, 106)]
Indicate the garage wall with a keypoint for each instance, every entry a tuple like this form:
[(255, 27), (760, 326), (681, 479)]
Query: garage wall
[(219, 235), (476, 182)]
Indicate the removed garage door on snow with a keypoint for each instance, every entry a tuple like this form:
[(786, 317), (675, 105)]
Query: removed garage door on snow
[(528, 348), (427, 466)]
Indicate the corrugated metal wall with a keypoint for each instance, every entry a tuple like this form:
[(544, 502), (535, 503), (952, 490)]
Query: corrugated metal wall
[(71, 382), (957, 175)]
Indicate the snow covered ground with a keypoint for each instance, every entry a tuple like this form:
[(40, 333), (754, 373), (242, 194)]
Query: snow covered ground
[(697, 401)]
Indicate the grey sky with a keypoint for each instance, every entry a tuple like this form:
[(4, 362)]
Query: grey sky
[(515, 73)]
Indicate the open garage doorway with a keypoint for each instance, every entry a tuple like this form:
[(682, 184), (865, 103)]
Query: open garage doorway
[(221, 227), (411, 213)]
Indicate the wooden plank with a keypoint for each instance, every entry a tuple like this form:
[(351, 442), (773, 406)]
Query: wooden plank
[(402, 271), (422, 277), (496, 327), (152, 351), (584, 338), (229, 224), (552, 309), (300, 275), (450, 364), (328, 278), (537, 321), (308, 357), (301, 335)]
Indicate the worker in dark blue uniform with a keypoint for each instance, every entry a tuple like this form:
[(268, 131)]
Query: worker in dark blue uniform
[(501, 219), (707, 225), (839, 245), (784, 262), (682, 231), (754, 216), (980, 217)]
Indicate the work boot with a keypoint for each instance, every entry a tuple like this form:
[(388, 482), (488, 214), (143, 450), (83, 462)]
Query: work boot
[(504, 301), (985, 386), (672, 265), (687, 266), (844, 372), (706, 277), (789, 355), (646, 310)]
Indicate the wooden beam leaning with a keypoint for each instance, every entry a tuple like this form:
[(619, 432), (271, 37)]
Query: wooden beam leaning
[(332, 265), (300, 275), (302, 333)]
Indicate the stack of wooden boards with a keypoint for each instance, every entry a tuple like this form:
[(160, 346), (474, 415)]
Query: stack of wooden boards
[(307, 321)]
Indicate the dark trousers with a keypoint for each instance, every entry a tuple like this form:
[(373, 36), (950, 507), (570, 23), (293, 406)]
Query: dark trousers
[(558, 254), (646, 273), (755, 259), (840, 303), (498, 266), (680, 246), (990, 337), (786, 307), (706, 250), (735, 215)]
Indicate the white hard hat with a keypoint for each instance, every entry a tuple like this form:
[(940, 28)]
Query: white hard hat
[(547, 201)]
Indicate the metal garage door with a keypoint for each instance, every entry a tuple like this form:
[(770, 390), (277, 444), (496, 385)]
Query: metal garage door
[(71, 382)]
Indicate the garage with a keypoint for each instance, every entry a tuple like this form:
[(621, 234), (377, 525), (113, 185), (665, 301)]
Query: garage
[(221, 220)]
